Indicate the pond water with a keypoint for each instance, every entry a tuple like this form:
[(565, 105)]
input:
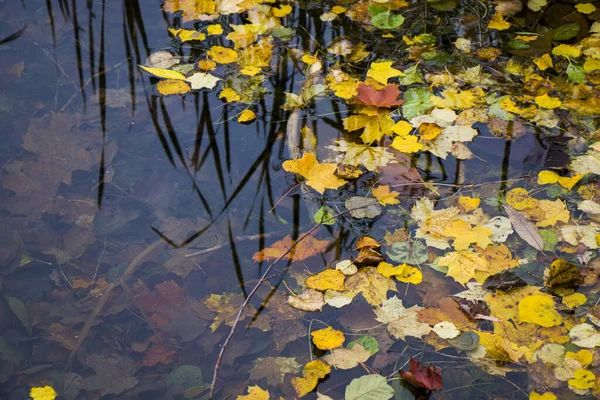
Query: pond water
[(103, 178)]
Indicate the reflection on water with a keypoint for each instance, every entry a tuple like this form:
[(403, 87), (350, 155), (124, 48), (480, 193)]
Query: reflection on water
[(107, 188)]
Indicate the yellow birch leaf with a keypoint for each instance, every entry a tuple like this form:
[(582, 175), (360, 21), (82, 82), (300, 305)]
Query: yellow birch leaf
[(222, 55), (583, 356), (467, 203), (229, 95), (164, 73), (569, 182), (319, 176), (498, 23), (214, 29), (526, 38), (42, 393), (539, 310), (329, 279), (384, 196), (464, 234), (187, 35), (172, 86), (554, 211), (382, 71), (545, 101), (328, 338), (574, 300), (312, 372), (519, 199), (586, 8), (407, 144), (246, 116), (410, 275), (250, 70), (281, 11), (566, 50), (402, 128), (255, 393), (543, 62), (547, 178), (583, 379), (462, 265), (543, 396), (388, 270)]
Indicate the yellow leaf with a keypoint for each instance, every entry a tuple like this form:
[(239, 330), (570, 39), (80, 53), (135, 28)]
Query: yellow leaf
[(574, 300), (402, 128), (172, 86), (371, 284), (583, 379), (329, 279), (318, 176), (590, 65), (566, 50), (310, 59), (255, 393), (467, 203), (554, 211), (462, 265), (388, 270), (328, 338), (465, 234), (281, 11), (509, 105), (519, 199), (544, 396), (345, 89), (386, 197), (246, 116), (376, 123), (410, 275), (164, 73), (307, 247), (338, 9), (585, 8), (429, 131), (456, 99), (187, 35), (222, 55), (498, 22), (583, 356), (539, 310), (567, 182), (250, 70), (382, 71), (207, 65), (214, 29), (543, 62), (312, 372), (42, 393), (545, 101), (499, 258), (549, 177), (407, 144), (191, 9), (229, 95)]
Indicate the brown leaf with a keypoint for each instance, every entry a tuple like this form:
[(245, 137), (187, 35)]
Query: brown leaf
[(429, 378), (307, 247), (158, 355)]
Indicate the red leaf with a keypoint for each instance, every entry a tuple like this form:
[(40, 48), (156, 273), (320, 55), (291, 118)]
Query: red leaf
[(426, 377), (386, 97), (158, 355)]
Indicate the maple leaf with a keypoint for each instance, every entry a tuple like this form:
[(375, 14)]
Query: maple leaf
[(384, 196), (429, 378), (381, 71), (371, 157), (464, 234), (376, 123), (191, 8), (158, 355), (401, 321), (386, 97), (307, 247), (274, 369), (329, 279), (255, 393), (319, 176), (462, 265), (371, 284)]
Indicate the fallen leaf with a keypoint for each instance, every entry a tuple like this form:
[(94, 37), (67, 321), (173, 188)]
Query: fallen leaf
[(164, 73), (43, 393), (539, 310), (384, 196), (429, 378), (307, 247), (201, 80), (401, 321), (255, 393), (382, 71), (311, 373), (347, 358), (172, 86), (319, 176), (386, 97), (327, 338), (274, 369), (309, 300), (525, 229), (371, 285)]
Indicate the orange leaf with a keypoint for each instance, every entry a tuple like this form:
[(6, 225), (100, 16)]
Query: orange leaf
[(306, 248), (386, 97)]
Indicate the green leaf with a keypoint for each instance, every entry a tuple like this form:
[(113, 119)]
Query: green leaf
[(566, 31), (19, 309), (413, 75), (369, 387), (324, 215), (416, 102), (444, 5), (382, 18), (518, 45), (403, 253), (575, 73), (284, 34), (186, 376), (437, 58), (550, 239), (368, 342)]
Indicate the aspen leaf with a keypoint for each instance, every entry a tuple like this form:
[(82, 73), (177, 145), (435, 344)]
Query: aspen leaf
[(382, 71), (567, 51), (574, 300), (388, 270), (545, 101), (222, 55), (401, 321), (519, 199), (330, 279), (172, 86), (539, 310), (586, 8), (311, 373), (467, 203), (246, 116), (402, 128), (229, 95), (543, 62), (281, 11), (328, 338), (410, 274), (446, 330), (583, 379), (585, 335), (43, 393), (407, 144), (319, 176), (215, 29), (347, 358), (164, 73), (498, 22), (187, 35)]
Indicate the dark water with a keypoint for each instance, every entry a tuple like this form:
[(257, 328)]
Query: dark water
[(96, 168)]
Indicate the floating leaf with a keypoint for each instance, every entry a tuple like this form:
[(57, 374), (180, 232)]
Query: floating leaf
[(274, 369), (172, 86), (307, 247), (329, 279), (311, 373), (43, 393), (369, 387), (319, 176), (539, 310), (347, 358), (200, 80), (429, 378), (255, 393), (386, 97), (309, 300)]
